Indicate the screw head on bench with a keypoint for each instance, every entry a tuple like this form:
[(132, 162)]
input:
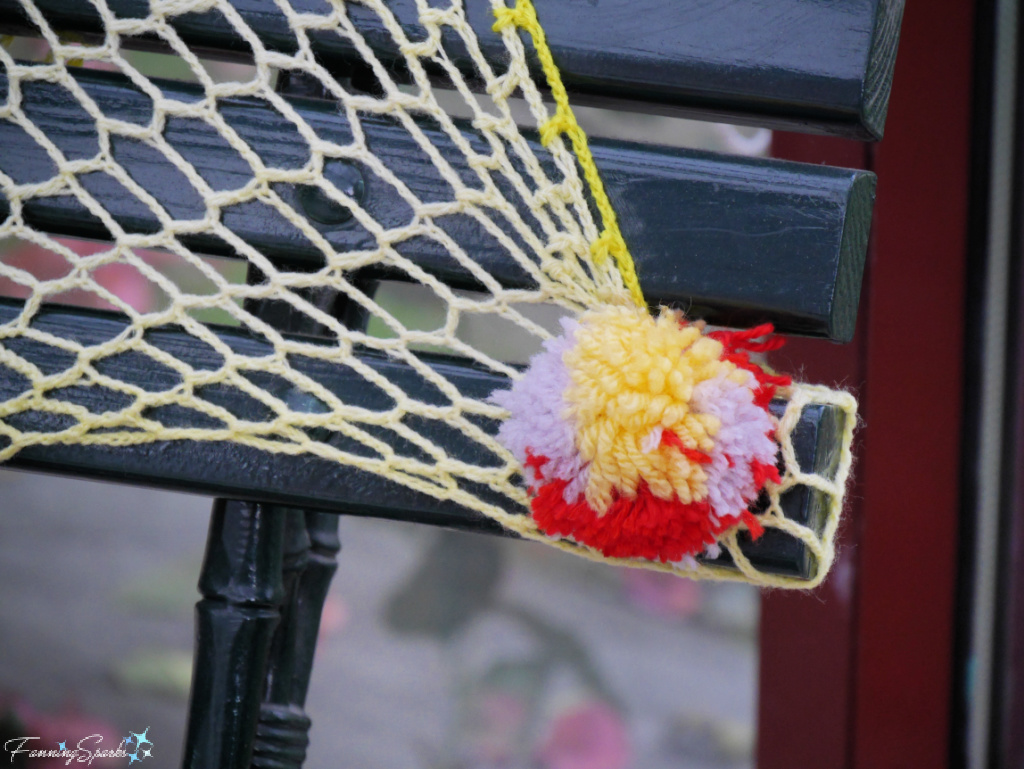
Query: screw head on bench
[(319, 207)]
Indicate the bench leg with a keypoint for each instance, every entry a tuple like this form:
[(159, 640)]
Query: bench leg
[(242, 589), (311, 547), (265, 576)]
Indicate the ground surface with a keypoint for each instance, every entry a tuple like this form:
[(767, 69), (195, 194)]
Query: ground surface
[(564, 665)]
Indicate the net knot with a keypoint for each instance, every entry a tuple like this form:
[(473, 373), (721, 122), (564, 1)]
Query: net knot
[(559, 123), (179, 7), (490, 123), (503, 87), (609, 243), (522, 16), (545, 196), (440, 16)]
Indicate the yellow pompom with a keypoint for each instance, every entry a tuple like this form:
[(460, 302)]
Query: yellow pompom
[(632, 376)]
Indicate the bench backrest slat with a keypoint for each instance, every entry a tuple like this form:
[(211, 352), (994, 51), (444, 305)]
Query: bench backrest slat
[(817, 67), (737, 241)]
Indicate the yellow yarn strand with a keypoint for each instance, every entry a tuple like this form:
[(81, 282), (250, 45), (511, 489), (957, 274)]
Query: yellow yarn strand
[(610, 242)]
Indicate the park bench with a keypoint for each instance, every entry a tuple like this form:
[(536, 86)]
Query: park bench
[(736, 241)]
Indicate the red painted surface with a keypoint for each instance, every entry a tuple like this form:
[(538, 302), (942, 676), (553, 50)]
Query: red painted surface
[(911, 461), (806, 639), (858, 675)]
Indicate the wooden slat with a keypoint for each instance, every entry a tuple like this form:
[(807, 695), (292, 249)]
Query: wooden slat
[(238, 472), (736, 241), (808, 66)]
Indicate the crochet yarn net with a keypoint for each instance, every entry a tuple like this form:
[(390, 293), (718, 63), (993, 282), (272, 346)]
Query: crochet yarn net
[(480, 181)]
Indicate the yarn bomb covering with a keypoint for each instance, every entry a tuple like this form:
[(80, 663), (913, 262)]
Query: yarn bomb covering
[(645, 437), (632, 439)]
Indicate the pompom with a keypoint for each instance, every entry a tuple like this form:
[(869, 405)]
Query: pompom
[(644, 437)]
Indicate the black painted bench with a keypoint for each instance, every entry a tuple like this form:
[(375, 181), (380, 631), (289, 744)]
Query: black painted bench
[(736, 241)]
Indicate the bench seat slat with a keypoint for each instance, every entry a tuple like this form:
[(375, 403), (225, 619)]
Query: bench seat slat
[(757, 61), (736, 241), (241, 472)]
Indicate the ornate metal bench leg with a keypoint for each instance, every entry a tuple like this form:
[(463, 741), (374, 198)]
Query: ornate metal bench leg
[(323, 555), (235, 620), (311, 546)]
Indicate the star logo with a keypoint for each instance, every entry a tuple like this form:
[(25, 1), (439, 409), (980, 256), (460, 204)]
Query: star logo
[(141, 741)]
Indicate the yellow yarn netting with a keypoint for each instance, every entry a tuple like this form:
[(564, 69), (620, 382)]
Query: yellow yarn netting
[(530, 201)]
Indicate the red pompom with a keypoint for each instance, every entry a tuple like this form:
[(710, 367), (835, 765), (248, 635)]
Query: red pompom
[(644, 526)]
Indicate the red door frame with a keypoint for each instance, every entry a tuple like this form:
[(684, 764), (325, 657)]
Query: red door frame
[(858, 674)]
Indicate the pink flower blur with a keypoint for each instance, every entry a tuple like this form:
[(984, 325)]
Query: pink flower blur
[(663, 595), (68, 726), (591, 735)]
